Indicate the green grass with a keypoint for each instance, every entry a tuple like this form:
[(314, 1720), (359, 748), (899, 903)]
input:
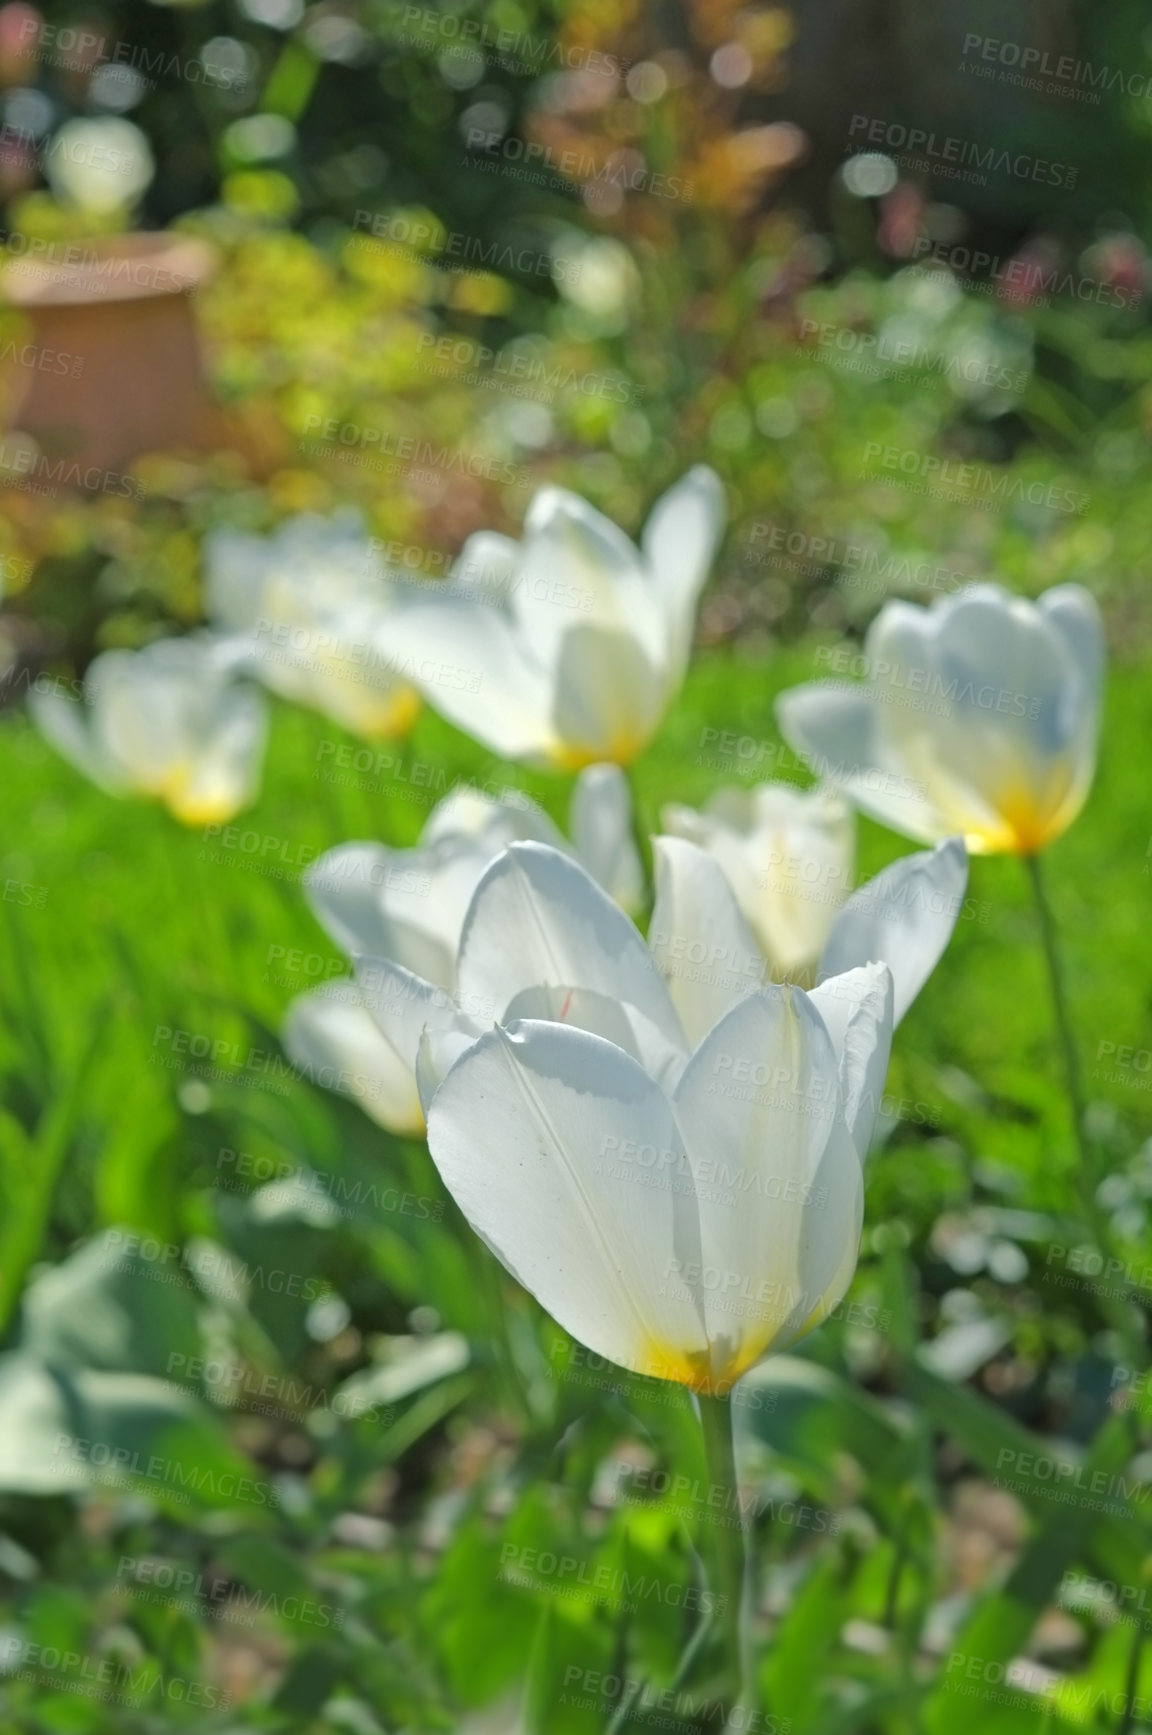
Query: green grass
[(488, 1431)]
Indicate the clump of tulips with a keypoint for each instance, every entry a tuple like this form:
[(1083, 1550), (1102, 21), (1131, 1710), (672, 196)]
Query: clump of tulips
[(501, 995)]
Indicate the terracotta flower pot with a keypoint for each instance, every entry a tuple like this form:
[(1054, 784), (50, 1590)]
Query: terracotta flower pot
[(112, 366)]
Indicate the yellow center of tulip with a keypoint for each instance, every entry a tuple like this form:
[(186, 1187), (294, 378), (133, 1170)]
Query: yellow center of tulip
[(203, 811), (712, 1372), (703, 1372), (1027, 830), (206, 809), (1027, 819), (394, 715), (620, 749)]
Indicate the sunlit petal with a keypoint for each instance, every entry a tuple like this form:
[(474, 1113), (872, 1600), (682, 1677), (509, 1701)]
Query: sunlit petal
[(527, 1131), (903, 918)]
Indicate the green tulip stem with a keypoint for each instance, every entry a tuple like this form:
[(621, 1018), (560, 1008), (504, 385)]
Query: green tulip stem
[(1131, 1683), (1123, 1317), (492, 1284), (640, 834), (730, 1550), (1063, 1022)]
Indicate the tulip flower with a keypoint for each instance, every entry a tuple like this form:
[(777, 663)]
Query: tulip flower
[(167, 722), (671, 1166), (306, 611), (675, 1177), (788, 855), (572, 642), (408, 906), (980, 718), (903, 918)]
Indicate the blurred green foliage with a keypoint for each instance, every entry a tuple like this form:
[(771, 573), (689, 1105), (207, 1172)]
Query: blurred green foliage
[(326, 1476)]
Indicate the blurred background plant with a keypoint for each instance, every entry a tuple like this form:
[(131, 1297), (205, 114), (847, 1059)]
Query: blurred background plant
[(402, 258)]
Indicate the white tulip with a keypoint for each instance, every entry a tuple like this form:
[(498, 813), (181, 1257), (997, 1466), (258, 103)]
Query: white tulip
[(308, 610), (980, 718), (708, 954), (787, 858), (904, 917), (408, 906), (333, 1040), (788, 855), (600, 820), (679, 1186), (165, 722), (571, 644)]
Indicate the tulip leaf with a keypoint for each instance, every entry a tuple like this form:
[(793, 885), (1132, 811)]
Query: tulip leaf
[(1001, 1446), (1002, 1622), (111, 1307), (808, 1415), (310, 1681), (795, 1673), (482, 1623), (66, 1429), (562, 1690), (34, 1163)]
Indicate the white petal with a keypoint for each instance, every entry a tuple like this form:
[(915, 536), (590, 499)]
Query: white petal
[(601, 824), (485, 568), (583, 534), (615, 1020), (913, 702), (404, 1006), (580, 1008), (408, 905), (979, 697), (609, 698), (343, 888), (225, 775), (575, 567), (235, 569), (232, 655), (313, 607), (350, 679), (527, 1131), (701, 943), (829, 1236), (1074, 615), (537, 918), (165, 722), (787, 854), (490, 822), (903, 918), (680, 541), (474, 667), (804, 852), (1072, 610), (378, 902), (308, 568), (144, 704), (836, 730), (340, 665), (333, 1040), (857, 1009), (438, 1053), (759, 1109), (63, 723)]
